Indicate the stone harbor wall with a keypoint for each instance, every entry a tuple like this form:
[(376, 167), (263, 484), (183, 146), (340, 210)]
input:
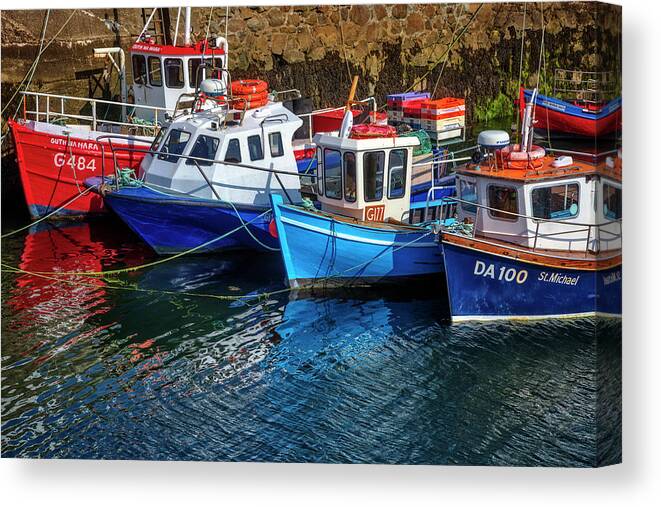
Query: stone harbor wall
[(466, 50)]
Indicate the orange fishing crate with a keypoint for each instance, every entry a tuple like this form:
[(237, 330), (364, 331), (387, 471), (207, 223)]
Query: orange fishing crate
[(439, 109)]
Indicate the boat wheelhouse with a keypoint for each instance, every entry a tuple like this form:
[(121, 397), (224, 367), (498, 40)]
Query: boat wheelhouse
[(360, 235), (535, 236), (206, 181)]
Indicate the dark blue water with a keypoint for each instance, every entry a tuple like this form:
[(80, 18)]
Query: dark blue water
[(91, 371)]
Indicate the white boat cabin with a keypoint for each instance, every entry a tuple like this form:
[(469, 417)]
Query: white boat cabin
[(366, 179), (161, 74), (543, 202), (260, 138)]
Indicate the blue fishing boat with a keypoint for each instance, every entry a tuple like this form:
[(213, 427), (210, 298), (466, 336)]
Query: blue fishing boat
[(208, 177), (363, 232), (535, 236)]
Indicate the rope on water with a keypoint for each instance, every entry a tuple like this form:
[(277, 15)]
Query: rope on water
[(49, 215), (55, 276), (112, 272)]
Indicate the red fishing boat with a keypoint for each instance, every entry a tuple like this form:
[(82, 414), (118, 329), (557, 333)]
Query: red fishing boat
[(62, 140), (582, 105)]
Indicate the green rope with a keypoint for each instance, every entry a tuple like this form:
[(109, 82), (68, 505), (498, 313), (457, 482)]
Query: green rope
[(149, 264), (45, 217)]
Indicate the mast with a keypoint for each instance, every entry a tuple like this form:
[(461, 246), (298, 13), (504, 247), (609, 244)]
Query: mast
[(187, 27)]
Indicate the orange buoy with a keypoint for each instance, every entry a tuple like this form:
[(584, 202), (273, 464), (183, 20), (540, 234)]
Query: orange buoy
[(249, 86)]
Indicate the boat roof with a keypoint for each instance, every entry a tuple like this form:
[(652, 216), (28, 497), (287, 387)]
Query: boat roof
[(545, 172), (252, 118), (330, 141)]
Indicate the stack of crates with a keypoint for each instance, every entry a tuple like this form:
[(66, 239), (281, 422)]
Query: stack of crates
[(443, 118), (405, 108)]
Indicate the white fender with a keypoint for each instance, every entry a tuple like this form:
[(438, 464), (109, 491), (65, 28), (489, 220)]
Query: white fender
[(347, 125)]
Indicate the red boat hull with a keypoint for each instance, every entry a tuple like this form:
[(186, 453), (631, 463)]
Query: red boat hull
[(562, 123), (53, 167)]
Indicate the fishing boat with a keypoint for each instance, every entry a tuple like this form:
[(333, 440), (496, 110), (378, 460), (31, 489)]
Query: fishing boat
[(60, 141), (362, 232), (207, 178), (535, 236), (583, 105)]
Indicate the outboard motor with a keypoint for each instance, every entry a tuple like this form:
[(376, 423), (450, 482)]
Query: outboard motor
[(488, 141)]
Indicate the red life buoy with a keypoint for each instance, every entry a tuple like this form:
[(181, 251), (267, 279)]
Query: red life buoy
[(249, 86), (253, 97), (241, 103), (514, 158)]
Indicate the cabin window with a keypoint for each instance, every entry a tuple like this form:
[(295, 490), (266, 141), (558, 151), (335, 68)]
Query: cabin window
[(556, 202), (397, 174), (333, 173), (204, 147), (175, 144), (157, 140), (503, 201), (194, 65), (320, 170), (468, 194), (255, 148), (233, 152), (139, 69), (612, 202), (174, 73), (155, 76), (275, 143), (373, 163), (350, 176)]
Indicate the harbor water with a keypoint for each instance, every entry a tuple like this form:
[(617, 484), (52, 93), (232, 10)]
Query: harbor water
[(150, 365), (131, 368)]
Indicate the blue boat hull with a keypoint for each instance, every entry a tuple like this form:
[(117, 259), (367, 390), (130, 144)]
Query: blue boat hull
[(171, 225), (317, 249), (484, 286)]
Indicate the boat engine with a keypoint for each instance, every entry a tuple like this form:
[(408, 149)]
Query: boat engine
[(488, 141)]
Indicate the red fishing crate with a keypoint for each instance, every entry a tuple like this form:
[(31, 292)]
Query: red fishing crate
[(440, 109)]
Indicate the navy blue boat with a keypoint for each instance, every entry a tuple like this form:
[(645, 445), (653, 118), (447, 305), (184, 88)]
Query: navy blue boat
[(171, 224), (535, 236), (207, 181)]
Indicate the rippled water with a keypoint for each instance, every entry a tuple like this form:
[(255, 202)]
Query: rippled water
[(90, 371)]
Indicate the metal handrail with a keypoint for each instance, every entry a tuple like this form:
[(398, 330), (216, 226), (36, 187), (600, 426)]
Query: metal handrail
[(93, 119), (577, 226)]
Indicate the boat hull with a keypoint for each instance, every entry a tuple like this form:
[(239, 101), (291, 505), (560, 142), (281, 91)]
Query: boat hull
[(562, 119), (486, 286), (171, 225), (53, 167), (318, 249)]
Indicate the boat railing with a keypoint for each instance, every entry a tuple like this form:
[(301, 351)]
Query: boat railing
[(196, 161), (53, 108), (595, 233)]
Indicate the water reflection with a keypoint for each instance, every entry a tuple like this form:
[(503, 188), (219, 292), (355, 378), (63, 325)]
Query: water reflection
[(90, 371)]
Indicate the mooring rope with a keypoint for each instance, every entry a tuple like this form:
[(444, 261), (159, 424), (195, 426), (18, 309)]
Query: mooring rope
[(112, 272), (49, 215), (56, 276)]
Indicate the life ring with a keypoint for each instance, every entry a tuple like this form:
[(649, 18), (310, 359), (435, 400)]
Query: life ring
[(241, 103), (253, 97), (249, 86), (514, 158)]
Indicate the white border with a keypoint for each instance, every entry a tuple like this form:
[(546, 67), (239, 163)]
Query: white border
[(636, 482)]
